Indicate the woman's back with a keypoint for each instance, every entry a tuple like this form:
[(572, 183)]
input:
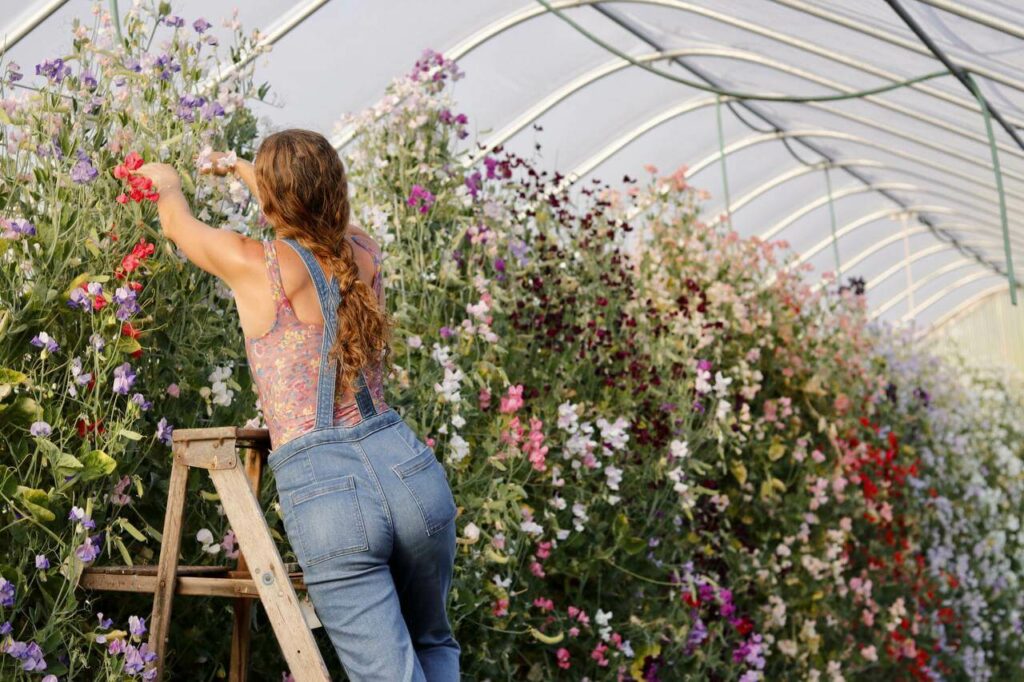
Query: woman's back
[(284, 360)]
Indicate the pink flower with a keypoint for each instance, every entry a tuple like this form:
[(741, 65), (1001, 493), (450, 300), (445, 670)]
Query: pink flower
[(536, 569), (544, 549), (513, 401), (485, 398), (563, 658), (421, 197), (598, 654), (500, 607), (544, 604)]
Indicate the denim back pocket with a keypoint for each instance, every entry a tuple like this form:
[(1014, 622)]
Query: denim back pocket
[(427, 482), (328, 519)]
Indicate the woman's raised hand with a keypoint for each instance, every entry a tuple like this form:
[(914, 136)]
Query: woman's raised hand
[(218, 163), (165, 178)]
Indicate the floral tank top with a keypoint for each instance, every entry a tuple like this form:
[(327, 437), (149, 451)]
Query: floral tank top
[(285, 362)]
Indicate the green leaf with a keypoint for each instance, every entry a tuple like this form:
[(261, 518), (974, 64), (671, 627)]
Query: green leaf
[(36, 501), (97, 464), (67, 465)]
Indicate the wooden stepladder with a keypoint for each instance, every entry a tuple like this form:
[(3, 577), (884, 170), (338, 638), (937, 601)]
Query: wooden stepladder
[(260, 573)]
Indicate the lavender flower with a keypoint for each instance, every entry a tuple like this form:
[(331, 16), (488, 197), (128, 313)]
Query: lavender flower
[(200, 25), (83, 172), (13, 72), (42, 562), (141, 401), (124, 377), (88, 80), (54, 70), (78, 514), (135, 659), (127, 305), (41, 429), (30, 655), (137, 626), (6, 592), (164, 431), (87, 551), (79, 299), (174, 21), (42, 339), (104, 622), (5, 627)]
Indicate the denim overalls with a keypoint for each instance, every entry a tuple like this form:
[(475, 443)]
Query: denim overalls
[(370, 516)]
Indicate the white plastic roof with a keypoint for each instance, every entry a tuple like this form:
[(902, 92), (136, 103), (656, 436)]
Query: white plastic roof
[(913, 192)]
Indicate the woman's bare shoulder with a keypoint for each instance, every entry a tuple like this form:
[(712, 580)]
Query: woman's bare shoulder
[(363, 236)]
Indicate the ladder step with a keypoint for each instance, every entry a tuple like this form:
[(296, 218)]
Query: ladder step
[(211, 581)]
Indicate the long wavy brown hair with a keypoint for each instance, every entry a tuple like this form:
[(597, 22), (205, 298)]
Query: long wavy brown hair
[(303, 190)]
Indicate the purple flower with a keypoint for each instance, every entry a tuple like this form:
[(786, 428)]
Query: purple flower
[(13, 72), (698, 407), (54, 70), (124, 377), (104, 623), (14, 229), (42, 339), (167, 66), (42, 562), (519, 249), (173, 21), (136, 625), (30, 655), (88, 80), (97, 342), (83, 172), (117, 646), (490, 163), (446, 332), (6, 592), (135, 659), (5, 627), (499, 264), (127, 305), (698, 633), (187, 104), (141, 401), (200, 25), (87, 551), (78, 514), (40, 428), (473, 183), (422, 197), (118, 497), (79, 299), (704, 365), (164, 431)]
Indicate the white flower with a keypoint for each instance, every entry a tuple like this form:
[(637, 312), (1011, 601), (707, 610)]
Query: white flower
[(459, 448), (613, 434), (532, 527), (471, 531), (568, 417), (614, 475), (679, 449), (415, 342)]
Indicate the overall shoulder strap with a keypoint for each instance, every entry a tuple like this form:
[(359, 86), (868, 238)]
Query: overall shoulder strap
[(329, 297)]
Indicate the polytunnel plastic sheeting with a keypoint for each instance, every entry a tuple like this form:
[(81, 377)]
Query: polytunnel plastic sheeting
[(913, 192)]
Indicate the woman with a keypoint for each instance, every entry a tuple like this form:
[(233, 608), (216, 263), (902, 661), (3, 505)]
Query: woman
[(366, 504)]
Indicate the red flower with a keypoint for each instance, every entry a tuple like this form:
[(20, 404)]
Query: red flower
[(122, 198), (128, 330), (133, 161), (99, 302), (85, 427)]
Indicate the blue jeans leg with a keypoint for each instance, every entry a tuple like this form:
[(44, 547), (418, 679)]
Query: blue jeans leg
[(362, 616), (422, 570)]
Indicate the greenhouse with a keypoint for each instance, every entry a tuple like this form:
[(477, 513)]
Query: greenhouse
[(705, 312)]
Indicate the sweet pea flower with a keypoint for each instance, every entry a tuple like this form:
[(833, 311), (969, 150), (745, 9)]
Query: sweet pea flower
[(41, 429), (44, 340)]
